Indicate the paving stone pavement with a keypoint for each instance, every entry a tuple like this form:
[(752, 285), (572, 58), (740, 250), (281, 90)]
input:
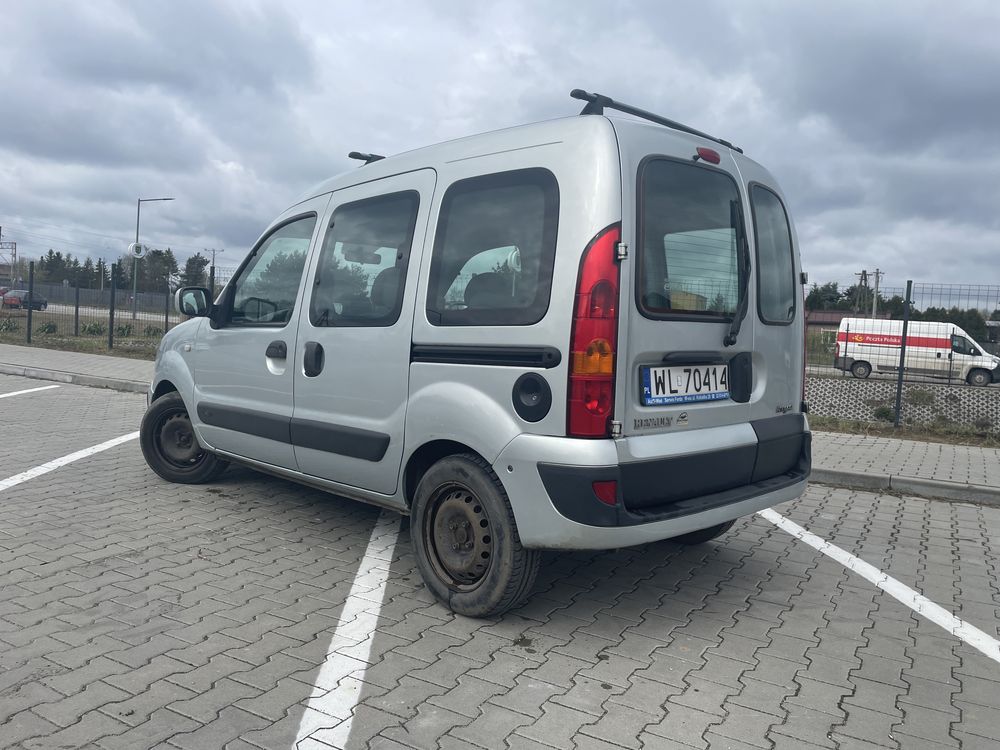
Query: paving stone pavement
[(910, 458), (136, 614)]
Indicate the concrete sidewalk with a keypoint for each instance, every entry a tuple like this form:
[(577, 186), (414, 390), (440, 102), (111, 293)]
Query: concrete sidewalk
[(910, 467), (936, 470), (98, 370)]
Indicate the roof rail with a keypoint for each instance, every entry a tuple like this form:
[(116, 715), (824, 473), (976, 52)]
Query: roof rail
[(366, 158), (596, 103)]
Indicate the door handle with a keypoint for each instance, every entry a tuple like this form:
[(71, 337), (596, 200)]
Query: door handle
[(277, 350), (312, 359), (939, 355)]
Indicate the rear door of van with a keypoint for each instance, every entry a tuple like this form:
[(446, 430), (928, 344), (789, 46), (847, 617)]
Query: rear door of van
[(708, 244)]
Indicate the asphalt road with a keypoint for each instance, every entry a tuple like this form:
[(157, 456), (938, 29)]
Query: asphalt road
[(255, 613)]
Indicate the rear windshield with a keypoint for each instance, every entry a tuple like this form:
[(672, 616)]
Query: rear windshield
[(688, 261)]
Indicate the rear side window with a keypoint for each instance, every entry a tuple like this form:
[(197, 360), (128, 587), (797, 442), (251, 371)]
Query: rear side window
[(494, 250), (688, 224), (362, 266), (775, 271)]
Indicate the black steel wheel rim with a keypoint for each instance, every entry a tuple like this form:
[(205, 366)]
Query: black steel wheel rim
[(175, 440), (458, 536)]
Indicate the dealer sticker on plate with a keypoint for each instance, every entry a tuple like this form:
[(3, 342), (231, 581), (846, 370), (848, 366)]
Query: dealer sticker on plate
[(683, 385)]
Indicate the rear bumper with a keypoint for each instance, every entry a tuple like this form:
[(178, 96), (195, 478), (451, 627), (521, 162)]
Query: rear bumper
[(658, 497)]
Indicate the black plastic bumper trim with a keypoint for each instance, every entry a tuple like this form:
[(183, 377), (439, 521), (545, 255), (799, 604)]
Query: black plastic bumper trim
[(735, 475)]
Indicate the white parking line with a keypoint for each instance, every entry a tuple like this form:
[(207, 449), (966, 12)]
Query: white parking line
[(913, 599), (24, 476), (338, 683), (28, 390)]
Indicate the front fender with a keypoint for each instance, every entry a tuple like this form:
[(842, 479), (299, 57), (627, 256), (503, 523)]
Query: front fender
[(175, 365)]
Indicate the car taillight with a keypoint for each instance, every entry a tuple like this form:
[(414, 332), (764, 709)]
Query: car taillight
[(594, 339)]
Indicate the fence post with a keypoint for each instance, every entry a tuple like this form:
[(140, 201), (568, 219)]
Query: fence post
[(76, 312), (847, 338), (902, 349), (111, 308), (31, 296), (166, 310), (951, 355)]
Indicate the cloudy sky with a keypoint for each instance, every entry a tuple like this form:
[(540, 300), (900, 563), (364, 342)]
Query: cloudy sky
[(880, 120)]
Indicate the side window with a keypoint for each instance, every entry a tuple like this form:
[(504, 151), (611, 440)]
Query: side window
[(775, 271), (362, 266), (494, 250), (961, 345), (268, 284)]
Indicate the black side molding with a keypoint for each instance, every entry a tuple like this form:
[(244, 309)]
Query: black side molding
[(474, 354), (251, 422), (366, 445), (345, 441)]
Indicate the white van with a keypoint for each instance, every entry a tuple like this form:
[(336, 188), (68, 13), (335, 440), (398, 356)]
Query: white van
[(940, 350), (578, 334)]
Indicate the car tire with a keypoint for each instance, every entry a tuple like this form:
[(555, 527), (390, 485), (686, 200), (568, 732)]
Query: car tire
[(466, 542), (703, 535), (979, 378), (861, 370), (170, 447)]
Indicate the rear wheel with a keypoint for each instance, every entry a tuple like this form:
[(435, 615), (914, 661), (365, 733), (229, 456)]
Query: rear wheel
[(979, 378), (170, 447), (861, 370), (466, 541), (704, 535)]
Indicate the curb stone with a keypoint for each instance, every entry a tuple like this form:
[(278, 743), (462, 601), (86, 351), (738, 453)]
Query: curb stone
[(73, 378), (933, 489)]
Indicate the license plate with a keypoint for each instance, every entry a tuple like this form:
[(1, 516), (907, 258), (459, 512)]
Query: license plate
[(684, 385)]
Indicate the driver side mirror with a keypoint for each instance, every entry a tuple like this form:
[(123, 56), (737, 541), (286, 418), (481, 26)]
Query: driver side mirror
[(191, 301)]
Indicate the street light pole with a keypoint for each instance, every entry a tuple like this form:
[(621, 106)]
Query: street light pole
[(135, 259), (211, 271)]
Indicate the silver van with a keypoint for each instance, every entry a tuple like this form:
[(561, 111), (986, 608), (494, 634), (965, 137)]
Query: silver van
[(585, 333)]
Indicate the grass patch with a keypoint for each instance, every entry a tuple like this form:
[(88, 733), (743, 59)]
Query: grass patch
[(919, 397), (940, 432)]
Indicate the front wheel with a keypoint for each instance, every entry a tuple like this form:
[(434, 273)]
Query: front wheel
[(861, 370), (704, 535), (979, 378), (170, 447), (466, 541)]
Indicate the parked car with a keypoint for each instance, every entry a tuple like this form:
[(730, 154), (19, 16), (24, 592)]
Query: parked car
[(938, 350), (585, 333), (18, 299)]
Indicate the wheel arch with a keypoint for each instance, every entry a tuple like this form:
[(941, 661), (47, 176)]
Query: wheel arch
[(163, 388), (423, 458)]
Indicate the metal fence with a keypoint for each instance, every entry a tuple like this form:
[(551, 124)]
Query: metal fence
[(923, 353), (65, 316)]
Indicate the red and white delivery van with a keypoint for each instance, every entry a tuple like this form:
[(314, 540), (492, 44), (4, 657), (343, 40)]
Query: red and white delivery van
[(940, 350)]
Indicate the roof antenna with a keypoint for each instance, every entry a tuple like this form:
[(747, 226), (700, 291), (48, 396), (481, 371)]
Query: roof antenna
[(366, 158)]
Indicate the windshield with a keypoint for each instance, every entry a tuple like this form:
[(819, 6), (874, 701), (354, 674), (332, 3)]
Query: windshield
[(688, 263)]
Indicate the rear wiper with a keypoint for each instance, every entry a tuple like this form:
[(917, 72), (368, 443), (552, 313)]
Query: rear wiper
[(743, 256)]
